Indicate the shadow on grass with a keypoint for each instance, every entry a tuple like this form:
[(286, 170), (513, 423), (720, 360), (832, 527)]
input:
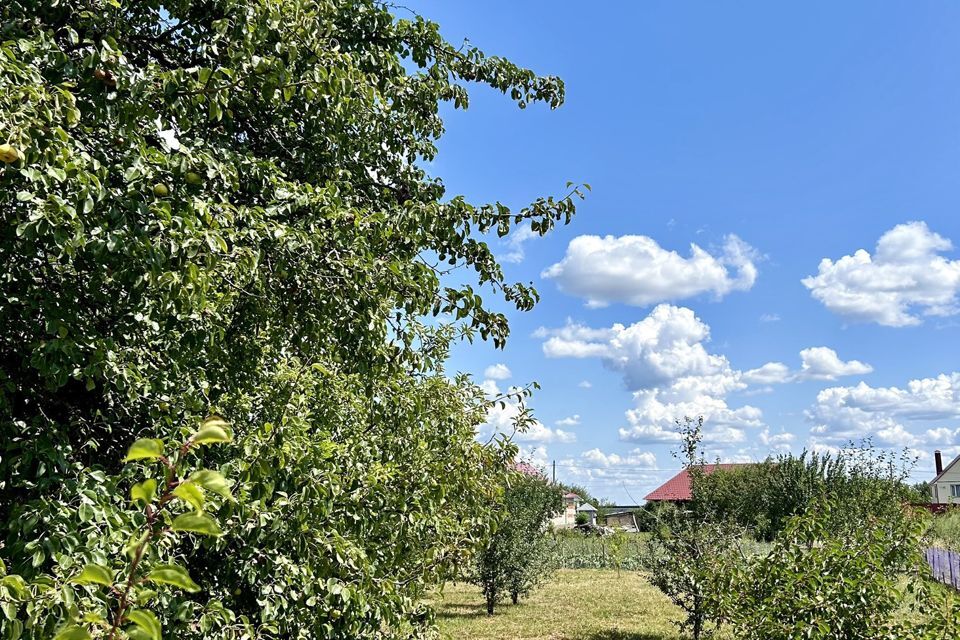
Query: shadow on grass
[(623, 635), (463, 611)]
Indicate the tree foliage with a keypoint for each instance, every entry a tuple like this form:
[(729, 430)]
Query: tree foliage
[(825, 579), (219, 207), (690, 553), (518, 555), (764, 496)]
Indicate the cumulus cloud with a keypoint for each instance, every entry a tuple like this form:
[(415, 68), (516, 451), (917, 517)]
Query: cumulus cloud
[(664, 360), (887, 412), (636, 270), (514, 242), (502, 418), (637, 457), (770, 317), (816, 363), (822, 363), (497, 372), (664, 346), (770, 373), (780, 440), (904, 279), (585, 384), (569, 421)]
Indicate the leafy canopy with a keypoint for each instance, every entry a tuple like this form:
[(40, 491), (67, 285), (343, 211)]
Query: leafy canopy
[(219, 206)]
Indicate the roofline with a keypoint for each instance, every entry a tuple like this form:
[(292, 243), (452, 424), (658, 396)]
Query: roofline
[(712, 465), (945, 469)]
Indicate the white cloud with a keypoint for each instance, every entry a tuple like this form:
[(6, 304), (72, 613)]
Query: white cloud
[(770, 317), (817, 363), (664, 346), (585, 384), (776, 441), (664, 361), (502, 418), (770, 373), (649, 434), (514, 242), (904, 277), (822, 363), (637, 457), (861, 410), (569, 421), (898, 436), (636, 270), (497, 372)]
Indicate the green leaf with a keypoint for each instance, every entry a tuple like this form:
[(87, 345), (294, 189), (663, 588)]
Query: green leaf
[(212, 481), (173, 575), (147, 622), (213, 429), (190, 493), (196, 523), (73, 632), (144, 491), (94, 574), (145, 448)]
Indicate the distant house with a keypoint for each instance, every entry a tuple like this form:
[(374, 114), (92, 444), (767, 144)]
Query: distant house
[(588, 510), (679, 487), (568, 514), (621, 517), (945, 488)]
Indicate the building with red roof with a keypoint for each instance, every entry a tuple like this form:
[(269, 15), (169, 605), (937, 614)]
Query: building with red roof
[(679, 488)]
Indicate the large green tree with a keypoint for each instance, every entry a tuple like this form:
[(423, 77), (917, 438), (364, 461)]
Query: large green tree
[(218, 206)]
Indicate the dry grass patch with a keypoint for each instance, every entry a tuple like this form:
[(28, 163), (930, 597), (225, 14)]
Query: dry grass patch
[(590, 604)]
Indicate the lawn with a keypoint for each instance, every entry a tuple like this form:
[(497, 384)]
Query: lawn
[(591, 604)]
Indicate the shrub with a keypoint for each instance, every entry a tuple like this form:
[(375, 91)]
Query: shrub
[(689, 554), (825, 579), (764, 496), (518, 555), (945, 529)]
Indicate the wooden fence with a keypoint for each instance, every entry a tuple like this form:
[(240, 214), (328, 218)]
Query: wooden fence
[(945, 565)]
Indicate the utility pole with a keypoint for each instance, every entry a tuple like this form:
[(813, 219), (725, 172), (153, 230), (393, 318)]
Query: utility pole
[(554, 472)]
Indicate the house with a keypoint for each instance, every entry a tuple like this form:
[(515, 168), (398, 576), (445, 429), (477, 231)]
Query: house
[(679, 487), (589, 511), (945, 488), (622, 517), (568, 514)]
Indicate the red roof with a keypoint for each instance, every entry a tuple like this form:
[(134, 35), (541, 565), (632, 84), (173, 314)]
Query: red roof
[(677, 488)]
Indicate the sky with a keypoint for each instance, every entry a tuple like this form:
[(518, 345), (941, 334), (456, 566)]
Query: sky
[(771, 240)]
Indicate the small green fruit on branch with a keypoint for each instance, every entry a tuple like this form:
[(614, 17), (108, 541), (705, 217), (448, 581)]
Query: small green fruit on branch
[(9, 154), (148, 495)]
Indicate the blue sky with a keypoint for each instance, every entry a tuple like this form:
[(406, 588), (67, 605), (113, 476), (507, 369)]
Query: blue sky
[(771, 137)]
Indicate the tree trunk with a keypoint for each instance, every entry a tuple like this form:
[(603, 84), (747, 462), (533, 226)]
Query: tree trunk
[(514, 597), (490, 601)]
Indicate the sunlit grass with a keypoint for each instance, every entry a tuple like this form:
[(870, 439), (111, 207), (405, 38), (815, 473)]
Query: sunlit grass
[(583, 603)]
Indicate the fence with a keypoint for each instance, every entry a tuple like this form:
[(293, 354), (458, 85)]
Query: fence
[(945, 565)]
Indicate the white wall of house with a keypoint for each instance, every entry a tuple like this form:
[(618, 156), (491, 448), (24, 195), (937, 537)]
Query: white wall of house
[(567, 517), (946, 490)]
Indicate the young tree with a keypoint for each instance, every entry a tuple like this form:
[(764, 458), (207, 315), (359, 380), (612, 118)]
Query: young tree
[(517, 556), (219, 207), (689, 554)]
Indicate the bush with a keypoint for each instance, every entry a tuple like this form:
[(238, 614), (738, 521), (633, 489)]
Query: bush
[(689, 554), (762, 497), (825, 579), (945, 529), (518, 555)]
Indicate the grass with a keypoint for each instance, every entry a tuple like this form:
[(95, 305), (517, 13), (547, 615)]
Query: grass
[(588, 604)]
